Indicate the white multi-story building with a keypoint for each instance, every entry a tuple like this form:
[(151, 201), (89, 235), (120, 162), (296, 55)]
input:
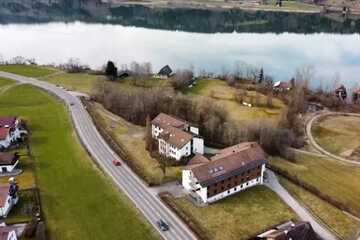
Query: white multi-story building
[(176, 138), (6, 200), (11, 131), (231, 170)]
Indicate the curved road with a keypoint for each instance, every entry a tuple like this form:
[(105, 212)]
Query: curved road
[(145, 200), (312, 141)]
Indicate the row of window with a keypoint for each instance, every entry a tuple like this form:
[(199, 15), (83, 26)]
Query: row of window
[(216, 191)]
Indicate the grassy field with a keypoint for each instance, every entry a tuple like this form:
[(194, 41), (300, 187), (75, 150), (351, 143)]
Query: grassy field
[(28, 70), (82, 82), (344, 225), (240, 216), (335, 179), (5, 82), (338, 134), (77, 200), (132, 138), (223, 95)]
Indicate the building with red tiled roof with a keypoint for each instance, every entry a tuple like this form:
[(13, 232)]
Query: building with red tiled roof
[(231, 170), (176, 138), (8, 161), (11, 131), (7, 233)]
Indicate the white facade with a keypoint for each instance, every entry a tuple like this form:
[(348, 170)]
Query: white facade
[(12, 235), (198, 145), (13, 136), (9, 203), (5, 143), (169, 150), (191, 185), (8, 168)]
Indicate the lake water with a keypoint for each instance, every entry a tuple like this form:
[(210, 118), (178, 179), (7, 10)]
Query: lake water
[(94, 44)]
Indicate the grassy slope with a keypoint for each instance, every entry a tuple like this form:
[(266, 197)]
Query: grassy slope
[(132, 138), (78, 202), (338, 221), (334, 179), (240, 216), (4, 82), (223, 95), (338, 134), (27, 70)]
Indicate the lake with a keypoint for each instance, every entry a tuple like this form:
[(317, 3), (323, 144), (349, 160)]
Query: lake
[(94, 44)]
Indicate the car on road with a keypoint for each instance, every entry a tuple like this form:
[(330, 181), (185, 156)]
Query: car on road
[(116, 162), (162, 225)]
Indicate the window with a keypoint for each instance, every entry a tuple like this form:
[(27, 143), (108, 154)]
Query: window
[(229, 192), (234, 189), (247, 184)]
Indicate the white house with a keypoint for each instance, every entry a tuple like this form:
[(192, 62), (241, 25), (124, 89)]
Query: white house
[(7, 233), (176, 138), (231, 170), (8, 162), (8, 198), (11, 131)]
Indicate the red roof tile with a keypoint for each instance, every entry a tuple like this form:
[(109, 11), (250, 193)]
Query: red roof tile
[(7, 121), (176, 137), (164, 120), (4, 132)]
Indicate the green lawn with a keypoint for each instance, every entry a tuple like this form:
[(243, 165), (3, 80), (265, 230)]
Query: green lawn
[(27, 70), (77, 200), (344, 225), (338, 134), (82, 82), (222, 94), (5, 82), (239, 216), (335, 179)]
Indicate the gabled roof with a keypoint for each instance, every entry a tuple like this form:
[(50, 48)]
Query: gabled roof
[(175, 137), (290, 230), (166, 70), (4, 132), (197, 160), (229, 162), (342, 88), (7, 121), (280, 84), (8, 158), (164, 120), (4, 193)]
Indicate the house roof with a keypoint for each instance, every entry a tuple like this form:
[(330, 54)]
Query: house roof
[(4, 193), (4, 132), (290, 230), (342, 88), (8, 158), (166, 70), (280, 84), (197, 160), (7, 121), (175, 136), (5, 231), (229, 162), (357, 91), (164, 120)]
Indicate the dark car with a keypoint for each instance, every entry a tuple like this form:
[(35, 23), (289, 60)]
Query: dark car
[(116, 162), (162, 225)]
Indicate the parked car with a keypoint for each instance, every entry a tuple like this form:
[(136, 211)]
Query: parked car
[(116, 162), (162, 225)]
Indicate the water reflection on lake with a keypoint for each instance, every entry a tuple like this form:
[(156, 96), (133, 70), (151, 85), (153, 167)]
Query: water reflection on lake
[(94, 44)]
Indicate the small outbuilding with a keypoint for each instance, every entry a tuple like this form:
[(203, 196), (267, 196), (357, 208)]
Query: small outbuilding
[(341, 93), (165, 72), (280, 86)]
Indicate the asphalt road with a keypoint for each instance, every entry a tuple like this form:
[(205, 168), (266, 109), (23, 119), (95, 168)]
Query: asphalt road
[(144, 199)]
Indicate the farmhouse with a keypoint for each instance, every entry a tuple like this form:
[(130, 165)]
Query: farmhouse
[(11, 131), (281, 86), (165, 72), (8, 162), (7, 233), (341, 92), (8, 198), (231, 170), (176, 138), (290, 231)]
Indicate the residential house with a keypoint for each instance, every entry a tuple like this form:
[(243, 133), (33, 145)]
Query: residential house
[(176, 138), (165, 72), (8, 198), (290, 231), (7, 233), (281, 86), (8, 162), (231, 170), (341, 93), (11, 131)]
